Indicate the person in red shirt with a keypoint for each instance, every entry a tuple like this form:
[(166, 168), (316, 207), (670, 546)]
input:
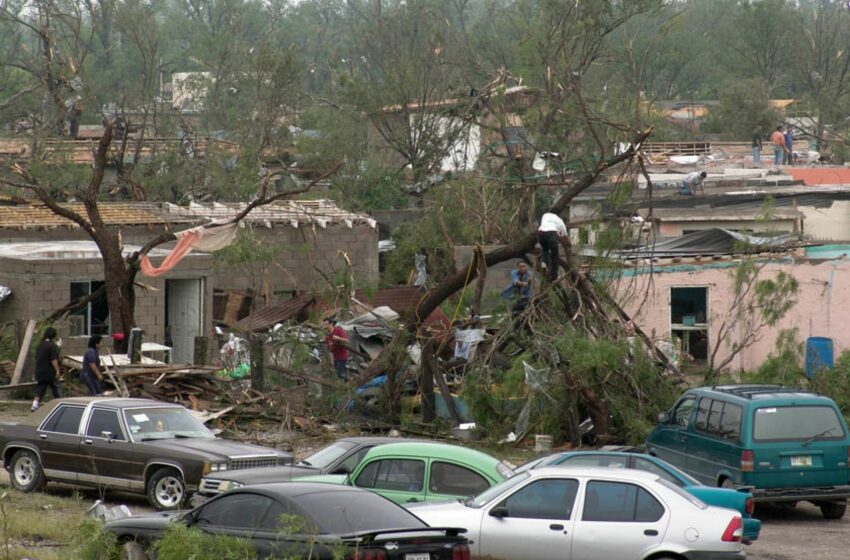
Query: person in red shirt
[(337, 341), (778, 141)]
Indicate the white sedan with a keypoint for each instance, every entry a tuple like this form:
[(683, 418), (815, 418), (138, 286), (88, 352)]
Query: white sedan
[(590, 514)]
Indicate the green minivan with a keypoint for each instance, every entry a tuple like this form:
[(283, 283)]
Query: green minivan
[(787, 444)]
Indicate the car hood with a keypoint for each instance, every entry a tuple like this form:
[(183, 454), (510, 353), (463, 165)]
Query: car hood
[(330, 478), (216, 448), (262, 475)]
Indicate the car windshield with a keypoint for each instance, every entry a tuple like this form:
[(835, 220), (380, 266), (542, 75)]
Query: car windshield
[(797, 423), (148, 424), (486, 496), (343, 513), (327, 455), (682, 475)]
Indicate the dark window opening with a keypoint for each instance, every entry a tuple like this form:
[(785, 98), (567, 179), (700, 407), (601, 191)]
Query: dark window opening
[(93, 318)]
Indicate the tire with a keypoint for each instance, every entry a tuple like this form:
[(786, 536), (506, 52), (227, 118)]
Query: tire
[(25, 472), (833, 510), (133, 551), (166, 489)]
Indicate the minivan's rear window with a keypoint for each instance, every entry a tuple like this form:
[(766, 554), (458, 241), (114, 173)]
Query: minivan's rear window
[(797, 423)]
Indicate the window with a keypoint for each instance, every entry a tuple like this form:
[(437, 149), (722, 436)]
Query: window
[(283, 518), (236, 510), (730, 422), (64, 420), (543, 499), (642, 464), (595, 461), (402, 475), (94, 317), (342, 512), (714, 417), (683, 411), (689, 320), (351, 461), (104, 421), (701, 423), (455, 480), (620, 502), (797, 423)]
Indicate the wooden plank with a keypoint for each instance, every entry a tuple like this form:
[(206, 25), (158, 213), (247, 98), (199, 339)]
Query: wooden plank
[(22, 353)]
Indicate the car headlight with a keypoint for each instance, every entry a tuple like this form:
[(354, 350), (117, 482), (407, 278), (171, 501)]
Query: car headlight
[(214, 467), (229, 485)]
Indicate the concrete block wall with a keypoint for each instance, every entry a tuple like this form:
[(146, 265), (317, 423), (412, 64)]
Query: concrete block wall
[(303, 250)]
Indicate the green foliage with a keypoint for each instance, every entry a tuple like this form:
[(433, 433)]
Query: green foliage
[(776, 296), (184, 543), (835, 382), (783, 365), (92, 542), (743, 108)]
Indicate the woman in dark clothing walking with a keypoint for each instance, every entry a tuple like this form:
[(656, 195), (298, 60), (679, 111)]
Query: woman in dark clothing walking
[(90, 374), (46, 366)]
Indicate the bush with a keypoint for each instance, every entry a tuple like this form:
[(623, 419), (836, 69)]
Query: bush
[(91, 542), (184, 543)]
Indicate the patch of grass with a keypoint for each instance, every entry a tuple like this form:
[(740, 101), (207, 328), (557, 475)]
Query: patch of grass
[(37, 517)]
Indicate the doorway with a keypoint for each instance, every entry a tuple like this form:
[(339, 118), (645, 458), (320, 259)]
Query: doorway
[(183, 317)]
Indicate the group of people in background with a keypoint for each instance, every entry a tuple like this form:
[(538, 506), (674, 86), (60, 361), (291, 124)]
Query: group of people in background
[(782, 141), (47, 371)]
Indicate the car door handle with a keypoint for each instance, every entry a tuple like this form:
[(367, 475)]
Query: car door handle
[(413, 500), (556, 527), (42, 436), (651, 533), (88, 441)]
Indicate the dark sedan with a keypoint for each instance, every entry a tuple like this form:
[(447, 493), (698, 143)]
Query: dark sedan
[(339, 457), (137, 445), (307, 520)]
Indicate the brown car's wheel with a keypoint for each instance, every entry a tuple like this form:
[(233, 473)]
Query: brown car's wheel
[(166, 489), (25, 472)]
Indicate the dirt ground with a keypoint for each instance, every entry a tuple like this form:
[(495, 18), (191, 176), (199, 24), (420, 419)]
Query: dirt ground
[(787, 534)]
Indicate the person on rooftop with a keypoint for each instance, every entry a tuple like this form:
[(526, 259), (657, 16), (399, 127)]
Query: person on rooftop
[(691, 182)]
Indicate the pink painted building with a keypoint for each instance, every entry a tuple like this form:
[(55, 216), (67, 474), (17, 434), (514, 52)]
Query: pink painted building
[(689, 302)]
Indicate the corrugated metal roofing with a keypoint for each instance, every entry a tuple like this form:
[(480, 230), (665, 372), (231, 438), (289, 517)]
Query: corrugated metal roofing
[(268, 317), (290, 212)]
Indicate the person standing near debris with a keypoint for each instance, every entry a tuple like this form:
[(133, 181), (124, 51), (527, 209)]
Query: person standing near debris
[(757, 145), (691, 182), (520, 288), (552, 227), (789, 146), (337, 342), (90, 373), (46, 367), (778, 141)]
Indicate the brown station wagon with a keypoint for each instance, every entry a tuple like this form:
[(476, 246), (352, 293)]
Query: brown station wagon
[(135, 445)]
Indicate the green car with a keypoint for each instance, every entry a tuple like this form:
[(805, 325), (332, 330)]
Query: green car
[(785, 444), (423, 472)]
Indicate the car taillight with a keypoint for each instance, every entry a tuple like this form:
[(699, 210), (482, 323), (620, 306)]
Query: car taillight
[(747, 460), (733, 531), (460, 552), (750, 506), (368, 554)]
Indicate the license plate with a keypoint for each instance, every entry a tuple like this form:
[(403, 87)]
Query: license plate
[(421, 556), (801, 461)]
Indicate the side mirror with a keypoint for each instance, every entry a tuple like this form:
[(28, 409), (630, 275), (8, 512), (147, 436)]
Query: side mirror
[(105, 434), (499, 511), (663, 418), (340, 470)]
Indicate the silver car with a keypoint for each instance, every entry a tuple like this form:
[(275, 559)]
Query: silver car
[(588, 513)]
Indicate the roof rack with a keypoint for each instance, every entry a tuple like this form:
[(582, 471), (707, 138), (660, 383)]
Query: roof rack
[(747, 391)]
